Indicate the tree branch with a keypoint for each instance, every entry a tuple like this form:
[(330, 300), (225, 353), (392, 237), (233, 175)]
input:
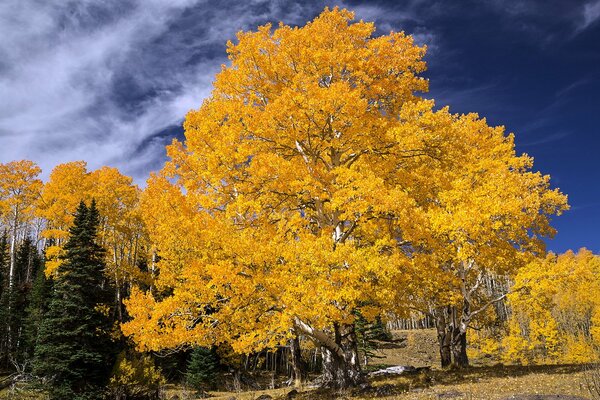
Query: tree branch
[(319, 336)]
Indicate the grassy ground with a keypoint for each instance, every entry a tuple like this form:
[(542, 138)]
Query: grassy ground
[(481, 383), (418, 348), (413, 347)]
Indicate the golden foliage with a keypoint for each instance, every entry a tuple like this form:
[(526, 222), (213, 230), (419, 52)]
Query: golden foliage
[(19, 189), (314, 182), (135, 376), (556, 310), (120, 228), (298, 213)]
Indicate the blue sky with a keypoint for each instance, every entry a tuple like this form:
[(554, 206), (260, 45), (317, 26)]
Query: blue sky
[(110, 81)]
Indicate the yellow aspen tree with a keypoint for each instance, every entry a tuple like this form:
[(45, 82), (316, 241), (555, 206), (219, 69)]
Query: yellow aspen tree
[(120, 230), (281, 213), (67, 185), (486, 212), (555, 310), (19, 189), (489, 219), (314, 184)]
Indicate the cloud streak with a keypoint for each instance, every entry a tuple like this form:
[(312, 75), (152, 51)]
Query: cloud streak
[(590, 14), (100, 81), (59, 100), (110, 81)]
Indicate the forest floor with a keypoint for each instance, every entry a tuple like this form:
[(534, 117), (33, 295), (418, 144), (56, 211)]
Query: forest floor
[(418, 348), (478, 383)]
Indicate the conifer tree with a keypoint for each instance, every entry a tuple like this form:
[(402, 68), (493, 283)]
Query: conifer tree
[(368, 334), (27, 262), (4, 299), (73, 350), (37, 307), (202, 369)]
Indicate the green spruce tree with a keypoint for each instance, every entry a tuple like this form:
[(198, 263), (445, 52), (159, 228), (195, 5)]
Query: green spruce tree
[(368, 335), (73, 353), (4, 301), (202, 369), (27, 263), (39, 301)]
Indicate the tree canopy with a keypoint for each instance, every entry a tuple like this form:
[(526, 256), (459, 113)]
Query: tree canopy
[(314, 182)]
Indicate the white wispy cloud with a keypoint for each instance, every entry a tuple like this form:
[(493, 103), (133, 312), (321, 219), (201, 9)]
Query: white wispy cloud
[(57, 81), (551, 21), (548, 138), (109, 81), (100, 80), (590, 14)]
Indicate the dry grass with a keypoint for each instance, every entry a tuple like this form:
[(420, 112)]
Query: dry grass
[(410, 347), (592, 380), (495, 383), (418, 348), (489, 383)]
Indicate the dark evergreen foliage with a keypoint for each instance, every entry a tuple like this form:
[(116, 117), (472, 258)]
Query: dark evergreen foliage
[(368, 334), (27, 263), (74, 353), (202, 369), (4, 300), (39, 301), (14, 301), (4, 262)]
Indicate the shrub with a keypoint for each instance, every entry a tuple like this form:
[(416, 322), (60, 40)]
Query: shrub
[(135, 377)]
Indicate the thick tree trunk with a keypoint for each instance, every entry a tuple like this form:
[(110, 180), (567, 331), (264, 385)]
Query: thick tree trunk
[(452, 336), (459, 336), (444, 335), (296, 362), (338, 373), (335, 374), (341, 367), (342, 371), (459, 350)]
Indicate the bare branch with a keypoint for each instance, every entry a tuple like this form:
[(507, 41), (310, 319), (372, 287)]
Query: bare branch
[(489, 303), (348, 231), (319, 336)]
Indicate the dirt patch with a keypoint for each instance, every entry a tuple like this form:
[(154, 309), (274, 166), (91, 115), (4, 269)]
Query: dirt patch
[(410, 347)]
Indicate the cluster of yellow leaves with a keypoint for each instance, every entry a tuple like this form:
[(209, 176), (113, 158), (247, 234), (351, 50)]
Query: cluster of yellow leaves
[(67, 186), (19, 189), (314, 182), (117, 199), (483, 346), (485, 210), (556, 310), (135, 375)]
